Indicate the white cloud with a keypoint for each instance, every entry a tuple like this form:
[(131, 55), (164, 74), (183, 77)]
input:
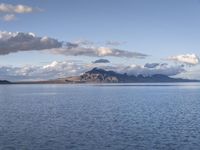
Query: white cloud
[(104, 51), (52, 70), (190, 59), (19, 9), (10, 11), (18, 41), (9, 17), (191, 73), (52, 65)]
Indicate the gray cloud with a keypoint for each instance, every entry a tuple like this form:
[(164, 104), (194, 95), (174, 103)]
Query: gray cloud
[(9, 11), (17, 41), (11, 42), (160, 69), (101, 61), (151, 65), (77, 49)]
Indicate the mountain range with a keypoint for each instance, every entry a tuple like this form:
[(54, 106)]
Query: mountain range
[(98, 75)]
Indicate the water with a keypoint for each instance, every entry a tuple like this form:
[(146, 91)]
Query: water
[(93, 117)]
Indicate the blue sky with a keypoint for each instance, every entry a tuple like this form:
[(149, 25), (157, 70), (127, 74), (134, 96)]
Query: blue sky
[(160, 29)]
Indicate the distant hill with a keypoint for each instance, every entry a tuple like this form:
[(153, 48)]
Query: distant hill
[(98, 75), (4, 82)]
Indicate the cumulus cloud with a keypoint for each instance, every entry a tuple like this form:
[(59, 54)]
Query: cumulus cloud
[(10, 11), (62, 69), (17, 41), (77, 49), (189, 59), (101, 61), (19, 9)]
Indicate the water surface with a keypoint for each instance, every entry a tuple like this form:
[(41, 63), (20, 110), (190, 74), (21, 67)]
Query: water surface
[(100, 117)]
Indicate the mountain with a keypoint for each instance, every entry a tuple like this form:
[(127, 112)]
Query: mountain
[(4, 82), (98, 75)]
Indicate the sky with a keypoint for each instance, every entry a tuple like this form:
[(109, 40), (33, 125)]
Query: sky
[(44, 39)]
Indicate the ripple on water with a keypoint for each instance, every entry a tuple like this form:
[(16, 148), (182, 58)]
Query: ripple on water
[(99, 117)]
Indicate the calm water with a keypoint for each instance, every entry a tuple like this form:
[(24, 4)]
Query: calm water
[(92, 117)]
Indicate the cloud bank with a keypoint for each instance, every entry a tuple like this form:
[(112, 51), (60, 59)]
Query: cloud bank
[(162, 69), (11, 42), (49, 71), (56, 69), (189, 59), (78, 49)]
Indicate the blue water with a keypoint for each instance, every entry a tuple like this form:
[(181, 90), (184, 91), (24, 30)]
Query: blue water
[(100, 117)]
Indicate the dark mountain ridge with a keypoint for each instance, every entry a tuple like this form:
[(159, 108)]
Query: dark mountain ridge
[(4, 82), (103, 76)]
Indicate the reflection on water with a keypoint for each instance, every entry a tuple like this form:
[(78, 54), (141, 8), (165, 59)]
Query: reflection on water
[(102, 117)]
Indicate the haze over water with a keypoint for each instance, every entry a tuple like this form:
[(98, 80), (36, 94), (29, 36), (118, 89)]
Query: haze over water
[(100, 117)]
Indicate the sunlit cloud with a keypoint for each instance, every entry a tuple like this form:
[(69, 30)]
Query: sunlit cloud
[(189, 59), (9, 11), (18, 9)]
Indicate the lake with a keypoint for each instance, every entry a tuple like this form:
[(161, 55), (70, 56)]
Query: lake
[(100, 117)]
